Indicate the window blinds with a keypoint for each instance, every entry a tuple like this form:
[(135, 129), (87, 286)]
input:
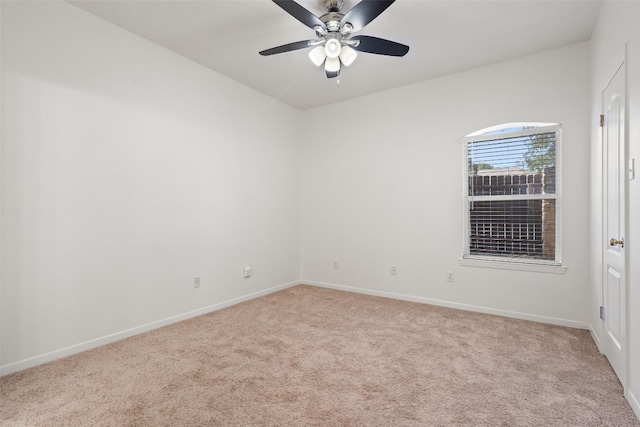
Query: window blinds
[(511, 195)]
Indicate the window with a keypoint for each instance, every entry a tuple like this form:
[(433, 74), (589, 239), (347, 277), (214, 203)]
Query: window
[(512, 193)]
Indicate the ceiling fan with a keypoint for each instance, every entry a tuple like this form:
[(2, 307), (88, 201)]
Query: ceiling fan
[(335, 44)]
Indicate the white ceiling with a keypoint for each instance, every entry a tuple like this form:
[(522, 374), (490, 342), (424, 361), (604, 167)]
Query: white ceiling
[(445, 36)]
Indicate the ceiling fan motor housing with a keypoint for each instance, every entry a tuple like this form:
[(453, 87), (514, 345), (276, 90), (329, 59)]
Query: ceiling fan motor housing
[(332, 21)]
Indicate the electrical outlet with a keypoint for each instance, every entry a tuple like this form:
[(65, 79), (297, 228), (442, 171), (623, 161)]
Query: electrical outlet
[(450, 276), (394, 270), (196, 282), (247, 272), (335, 265)]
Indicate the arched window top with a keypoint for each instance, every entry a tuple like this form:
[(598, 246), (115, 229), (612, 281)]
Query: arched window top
[(510, 127)]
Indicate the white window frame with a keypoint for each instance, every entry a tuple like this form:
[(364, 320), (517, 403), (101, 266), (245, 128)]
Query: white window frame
[(527, 264)]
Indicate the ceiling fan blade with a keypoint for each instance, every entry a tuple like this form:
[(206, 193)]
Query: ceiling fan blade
[(365, 12), (300, 13), (379, 46), (286, 48)]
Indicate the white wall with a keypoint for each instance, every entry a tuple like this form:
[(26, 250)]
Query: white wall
[(617, 29), (382, 186), (127, 171)]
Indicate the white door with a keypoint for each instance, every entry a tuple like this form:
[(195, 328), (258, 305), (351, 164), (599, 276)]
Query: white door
[(614, 175)]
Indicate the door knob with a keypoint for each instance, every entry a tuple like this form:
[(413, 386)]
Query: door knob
[(614, 242)]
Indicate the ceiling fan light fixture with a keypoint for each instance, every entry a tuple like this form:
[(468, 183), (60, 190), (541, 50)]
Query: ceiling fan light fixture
[(332, 65), (332, 48), (317, 55), (348, 55)]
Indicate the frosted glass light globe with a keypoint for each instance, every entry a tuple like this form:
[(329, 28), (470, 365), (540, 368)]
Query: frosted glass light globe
[(332, 48)]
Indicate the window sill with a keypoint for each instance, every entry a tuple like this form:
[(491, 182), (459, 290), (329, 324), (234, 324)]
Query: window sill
[(510, 265)]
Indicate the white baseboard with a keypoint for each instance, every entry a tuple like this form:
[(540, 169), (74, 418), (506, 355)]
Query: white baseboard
[(596, 339), (108, 339), (633, 402), (459, 306), (88, 345)]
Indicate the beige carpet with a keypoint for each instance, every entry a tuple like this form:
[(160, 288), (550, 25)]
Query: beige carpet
[(312, 356)]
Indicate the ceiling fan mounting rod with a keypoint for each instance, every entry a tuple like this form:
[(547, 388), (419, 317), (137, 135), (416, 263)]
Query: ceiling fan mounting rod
[(333, 5)]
